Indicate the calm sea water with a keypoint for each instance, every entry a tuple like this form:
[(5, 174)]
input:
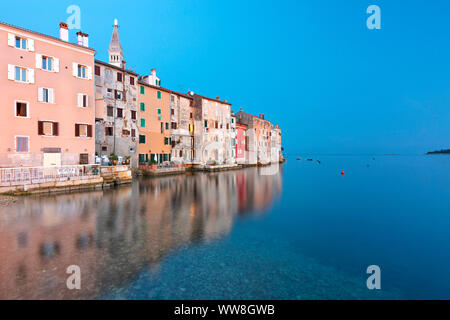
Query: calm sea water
[(297, 231)]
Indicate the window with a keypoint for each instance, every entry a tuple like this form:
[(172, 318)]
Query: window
[(109, 131), (133, 133), (167, 126), (142, 90), (174, 125), (46, 95), (83, 130), (104, 148), (158, 94), (206, 123), (126, 132), (21, 43), (119, 113), (119, 76), (167, 141), (109, 93), (97, 71), (22, 144), (21, 74), (142, 123), (82, 71), (48, 128), (133, 115), (84, 158), (162, 127), (142, 158), (118, 95), (141, 139), (142, 106), (47, 63), (132, 81), (159, 111), (172, 98), (83, 100), (22, 109), (190, 116), (110, 111)]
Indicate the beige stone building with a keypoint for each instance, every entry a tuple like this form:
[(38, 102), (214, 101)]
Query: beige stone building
[(116, 128), (182, 128), (212, 134)]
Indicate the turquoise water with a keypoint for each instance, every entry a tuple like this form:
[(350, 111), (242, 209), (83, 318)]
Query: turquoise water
[(298, 231)]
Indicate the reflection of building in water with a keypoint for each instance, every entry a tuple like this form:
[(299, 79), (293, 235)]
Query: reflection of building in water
[(112, 235)]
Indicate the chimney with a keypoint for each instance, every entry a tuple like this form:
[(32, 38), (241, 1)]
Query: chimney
[(153, 72), (217, 98), (80, 38), (64, 31), (263, 116), (86, 40), (225, 100), (124, 64), (240, 109)]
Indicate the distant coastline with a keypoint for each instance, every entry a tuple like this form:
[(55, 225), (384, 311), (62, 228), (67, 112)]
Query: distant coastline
[(443, 151)]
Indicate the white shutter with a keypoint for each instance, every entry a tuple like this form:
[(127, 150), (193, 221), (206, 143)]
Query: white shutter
[(75, 69), (89, 73), (51, 96), (30, 76), (30, 45), (80, 100), (11, 72), (38, 61), (40, 94), (87, 100), (56, 65), (11, 40)]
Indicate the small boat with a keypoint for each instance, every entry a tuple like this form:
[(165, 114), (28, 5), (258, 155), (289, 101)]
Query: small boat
[(299, 159), (310, 159), (318, 161)]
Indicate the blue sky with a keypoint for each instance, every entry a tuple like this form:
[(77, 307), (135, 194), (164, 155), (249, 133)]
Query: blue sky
[(312, 66)]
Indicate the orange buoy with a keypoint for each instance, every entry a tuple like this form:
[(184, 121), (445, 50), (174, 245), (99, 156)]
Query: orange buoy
[(342, 172)]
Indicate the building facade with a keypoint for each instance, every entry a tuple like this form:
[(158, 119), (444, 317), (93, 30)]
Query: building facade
[(154, 118), (48, 98), (116, 127), (212, 134), (258, 134), (182, 128), (241, 144), (276, 154)]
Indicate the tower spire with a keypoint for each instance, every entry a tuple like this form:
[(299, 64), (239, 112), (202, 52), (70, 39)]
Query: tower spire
[(115, 49)]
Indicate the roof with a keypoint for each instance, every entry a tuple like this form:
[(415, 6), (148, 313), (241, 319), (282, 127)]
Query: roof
[(212, 99), (115, 45), (165, 89), (47, 36), (253, 116), (115, 67)]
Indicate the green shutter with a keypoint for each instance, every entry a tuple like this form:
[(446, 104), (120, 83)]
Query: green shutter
[(142, 106), (142, 122), (206, 123), (158, 94), (141, 138), (142, 90), (159, 111)]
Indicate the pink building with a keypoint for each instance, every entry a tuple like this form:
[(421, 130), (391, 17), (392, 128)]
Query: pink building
[(48, 107), (241, 143)]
